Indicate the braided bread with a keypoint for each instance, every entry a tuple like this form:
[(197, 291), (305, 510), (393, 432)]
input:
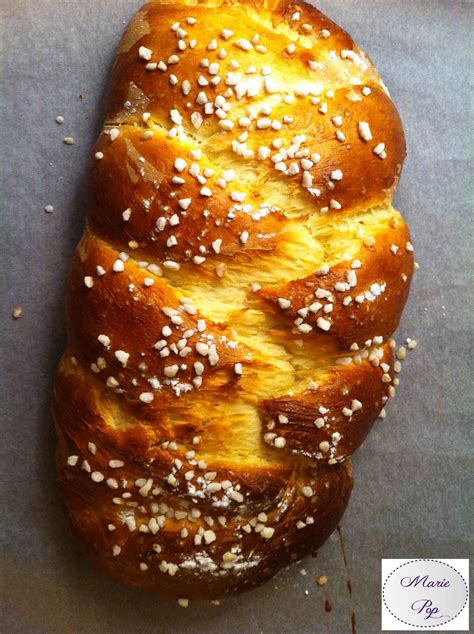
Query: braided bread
[(231, 302)]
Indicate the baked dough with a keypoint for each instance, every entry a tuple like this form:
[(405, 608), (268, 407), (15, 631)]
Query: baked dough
[(231, 302)]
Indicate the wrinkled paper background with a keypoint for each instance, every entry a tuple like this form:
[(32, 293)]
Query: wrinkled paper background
[(411, 477)]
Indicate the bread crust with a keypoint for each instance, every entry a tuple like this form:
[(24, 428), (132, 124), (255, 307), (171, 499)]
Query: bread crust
[(231, 303)]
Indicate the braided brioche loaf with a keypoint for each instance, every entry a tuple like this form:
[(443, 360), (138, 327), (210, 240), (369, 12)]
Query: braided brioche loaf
[(232, 298)]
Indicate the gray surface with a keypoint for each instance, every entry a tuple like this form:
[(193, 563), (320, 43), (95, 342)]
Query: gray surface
[(411, 486)]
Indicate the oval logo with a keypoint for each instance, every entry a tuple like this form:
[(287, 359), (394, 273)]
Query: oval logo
[(425, 593)]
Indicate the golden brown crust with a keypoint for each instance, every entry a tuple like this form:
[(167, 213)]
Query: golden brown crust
[(239, 559), (331, 421), (367, 292), (231, 301)]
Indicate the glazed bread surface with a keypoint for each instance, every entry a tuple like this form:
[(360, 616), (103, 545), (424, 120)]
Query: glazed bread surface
[(231, 303)]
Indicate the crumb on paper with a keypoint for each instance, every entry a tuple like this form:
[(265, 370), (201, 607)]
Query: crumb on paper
[(321, 580), (16, 312), (49, 209), (59, 119), (68, 140)]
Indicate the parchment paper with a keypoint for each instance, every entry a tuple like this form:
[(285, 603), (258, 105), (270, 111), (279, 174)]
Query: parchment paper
[(411, 477)]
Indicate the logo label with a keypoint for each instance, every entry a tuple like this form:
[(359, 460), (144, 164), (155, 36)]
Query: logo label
[(422, 594)]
